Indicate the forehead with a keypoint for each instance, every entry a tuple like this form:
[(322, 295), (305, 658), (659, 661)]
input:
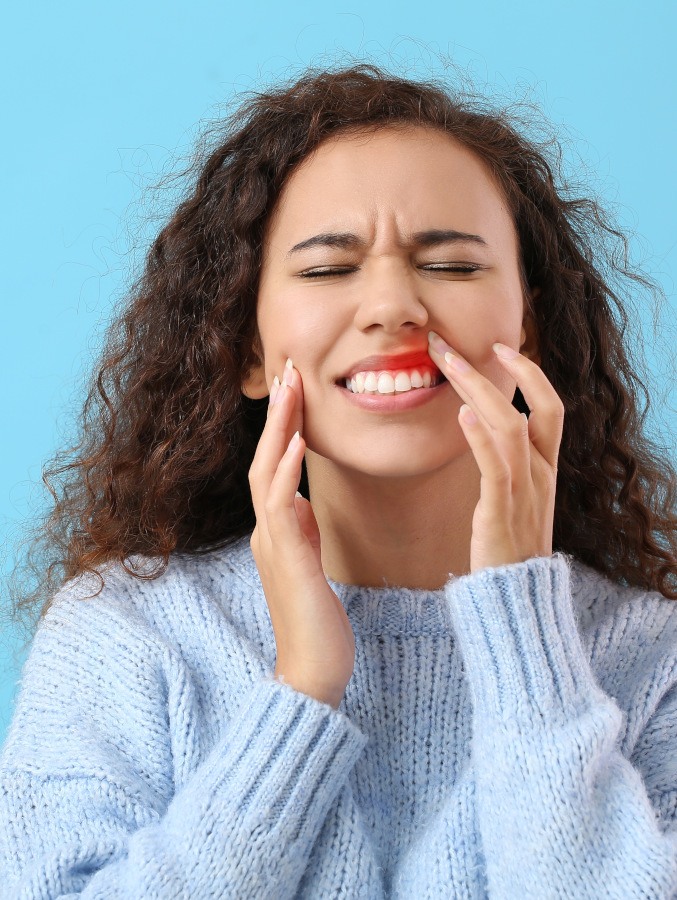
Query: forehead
[(413, 177)]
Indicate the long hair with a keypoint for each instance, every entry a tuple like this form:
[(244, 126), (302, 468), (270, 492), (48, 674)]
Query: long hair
[(167, 437)]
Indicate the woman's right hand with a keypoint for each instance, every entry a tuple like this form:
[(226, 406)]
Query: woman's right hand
[(313, 635)]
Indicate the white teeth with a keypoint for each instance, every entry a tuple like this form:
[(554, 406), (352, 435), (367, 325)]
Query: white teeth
[(367, 382), (370, 382), (386, 383)]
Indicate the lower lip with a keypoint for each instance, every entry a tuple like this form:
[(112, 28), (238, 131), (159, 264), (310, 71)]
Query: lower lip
[(395, 402)]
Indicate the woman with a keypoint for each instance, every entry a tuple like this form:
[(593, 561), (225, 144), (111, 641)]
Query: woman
[(446, 667)]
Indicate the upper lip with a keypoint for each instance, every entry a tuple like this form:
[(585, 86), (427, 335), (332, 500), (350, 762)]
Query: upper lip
[(411, 359)]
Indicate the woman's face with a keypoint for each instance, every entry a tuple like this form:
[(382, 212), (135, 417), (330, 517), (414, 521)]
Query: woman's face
[(389, 289)]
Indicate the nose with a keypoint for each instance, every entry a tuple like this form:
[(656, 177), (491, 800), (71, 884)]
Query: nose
[(389, 297)]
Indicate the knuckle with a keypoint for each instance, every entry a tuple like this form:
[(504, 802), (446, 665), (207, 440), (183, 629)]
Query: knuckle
[(270, 507), (503, 476), (550, 478), (518, 427), (276, 534)]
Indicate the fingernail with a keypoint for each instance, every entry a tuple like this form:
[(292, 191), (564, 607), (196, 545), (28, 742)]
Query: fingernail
[(280, 394), (294, 441), (456, 362), (468, 415), (288, 371), (504, 352), (274, 388), (437, 342)]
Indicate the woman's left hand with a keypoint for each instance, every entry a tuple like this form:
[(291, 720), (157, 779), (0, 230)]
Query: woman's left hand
[(517, 457)]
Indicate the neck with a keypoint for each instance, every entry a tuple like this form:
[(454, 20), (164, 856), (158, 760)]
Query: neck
[(407, 532)]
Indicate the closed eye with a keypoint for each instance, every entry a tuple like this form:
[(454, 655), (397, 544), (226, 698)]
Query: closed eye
[(319, 273), (324, 273), (465, 269)]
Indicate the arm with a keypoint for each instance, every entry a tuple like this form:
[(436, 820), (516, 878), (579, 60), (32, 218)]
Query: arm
[(562, 813), (105, 727)]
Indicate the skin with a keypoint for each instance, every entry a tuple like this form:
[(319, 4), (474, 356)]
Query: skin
[(383, 483)]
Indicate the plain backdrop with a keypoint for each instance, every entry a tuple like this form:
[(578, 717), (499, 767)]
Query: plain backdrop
[(100, 101)]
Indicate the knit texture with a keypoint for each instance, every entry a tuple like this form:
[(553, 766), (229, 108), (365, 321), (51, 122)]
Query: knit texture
[(511, 735)]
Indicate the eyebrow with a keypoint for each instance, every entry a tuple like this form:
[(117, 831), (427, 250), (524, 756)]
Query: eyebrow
[(346, 240)]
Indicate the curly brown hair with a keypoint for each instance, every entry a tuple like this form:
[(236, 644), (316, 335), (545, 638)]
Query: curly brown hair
[(167, 435)]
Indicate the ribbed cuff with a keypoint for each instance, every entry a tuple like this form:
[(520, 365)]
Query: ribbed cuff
[(284, 760), (520, 643)]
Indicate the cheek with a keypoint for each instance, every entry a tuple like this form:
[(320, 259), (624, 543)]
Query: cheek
[(476, 347), (277, 326), (306, 331), (287, 315), (309, 348)]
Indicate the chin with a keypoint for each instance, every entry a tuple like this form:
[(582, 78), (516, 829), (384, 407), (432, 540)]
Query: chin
[(374, 461)]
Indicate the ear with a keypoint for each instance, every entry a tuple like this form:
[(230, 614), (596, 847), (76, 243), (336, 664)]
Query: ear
[(254, 385), (529, 343)]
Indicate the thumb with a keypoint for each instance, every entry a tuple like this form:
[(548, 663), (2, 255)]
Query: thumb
[(307, 520)]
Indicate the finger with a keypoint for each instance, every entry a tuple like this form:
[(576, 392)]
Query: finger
[(293, 410), (496, 482), (269, 451), (307, 520), (546, 409), (274, 388), (280, 504), (493, 408), (296, 416)]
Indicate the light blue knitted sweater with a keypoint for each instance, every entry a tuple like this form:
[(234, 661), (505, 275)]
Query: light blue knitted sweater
[(511, 735)]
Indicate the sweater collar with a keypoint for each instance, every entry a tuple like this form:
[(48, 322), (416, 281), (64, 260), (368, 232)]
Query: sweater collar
[(395, 610)]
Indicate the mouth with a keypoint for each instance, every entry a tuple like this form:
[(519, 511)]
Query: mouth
[(395, 401), (429, 380)]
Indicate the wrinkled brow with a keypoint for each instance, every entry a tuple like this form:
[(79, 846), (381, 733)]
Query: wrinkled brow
[(346, 240)]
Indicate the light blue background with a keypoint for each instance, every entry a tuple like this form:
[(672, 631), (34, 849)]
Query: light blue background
[(99, 100)]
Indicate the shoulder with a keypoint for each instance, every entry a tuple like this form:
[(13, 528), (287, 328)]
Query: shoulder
[(136, 596), (630, 637), (114, 627), (118, 655), (633, 615)]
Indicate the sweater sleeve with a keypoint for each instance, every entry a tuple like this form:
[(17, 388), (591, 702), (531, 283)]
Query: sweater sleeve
[(562, 813), (89, 800)]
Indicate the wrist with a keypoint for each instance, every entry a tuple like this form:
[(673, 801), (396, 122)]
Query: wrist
[(323, 694)]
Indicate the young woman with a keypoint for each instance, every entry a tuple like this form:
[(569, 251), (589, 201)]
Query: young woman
[(447, 667)]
